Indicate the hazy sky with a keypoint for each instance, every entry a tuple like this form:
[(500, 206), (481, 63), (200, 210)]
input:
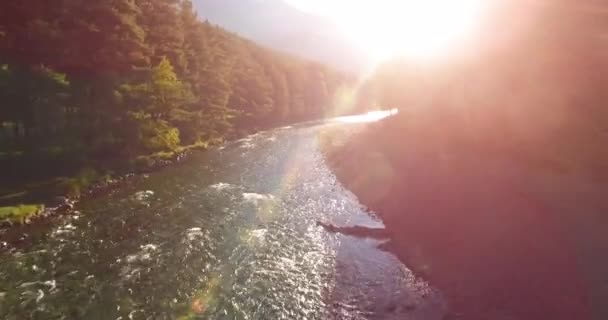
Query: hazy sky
[(419, 29), (320, 7)]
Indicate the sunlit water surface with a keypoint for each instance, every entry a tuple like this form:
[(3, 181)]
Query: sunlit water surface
[(230, 234)]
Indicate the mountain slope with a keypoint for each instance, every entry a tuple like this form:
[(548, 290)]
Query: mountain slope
[(275, 24)]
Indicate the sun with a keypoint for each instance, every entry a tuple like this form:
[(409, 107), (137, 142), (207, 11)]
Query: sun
[(420, 29)]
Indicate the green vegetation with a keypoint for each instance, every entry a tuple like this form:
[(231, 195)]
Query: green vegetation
[(100, 84), (148, 162), (76, 185), (20, 214)]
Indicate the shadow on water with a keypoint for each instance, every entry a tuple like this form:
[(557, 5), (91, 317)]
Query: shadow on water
[(229, 234)]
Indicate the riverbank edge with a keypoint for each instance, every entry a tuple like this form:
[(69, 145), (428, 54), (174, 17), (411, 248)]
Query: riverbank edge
[(63, 203), (335, 146), (354, 157)]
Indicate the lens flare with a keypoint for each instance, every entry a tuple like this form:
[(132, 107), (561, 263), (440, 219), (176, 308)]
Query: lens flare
[(412, 28)]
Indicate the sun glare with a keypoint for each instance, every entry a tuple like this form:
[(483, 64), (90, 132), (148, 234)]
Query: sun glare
[(418, 29)]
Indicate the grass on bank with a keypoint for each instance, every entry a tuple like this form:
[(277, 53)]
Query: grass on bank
[(73, 186), (147, 162), (20, 214)]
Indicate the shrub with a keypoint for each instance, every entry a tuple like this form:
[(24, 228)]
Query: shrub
[(20, 214), (158, 135)]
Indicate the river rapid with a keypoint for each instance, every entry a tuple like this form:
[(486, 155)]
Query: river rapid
[(230, 233)]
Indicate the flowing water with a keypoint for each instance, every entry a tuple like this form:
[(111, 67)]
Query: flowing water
[(230, 233)]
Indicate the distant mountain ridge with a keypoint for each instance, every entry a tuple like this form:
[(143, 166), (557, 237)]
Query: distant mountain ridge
[(275, 24)]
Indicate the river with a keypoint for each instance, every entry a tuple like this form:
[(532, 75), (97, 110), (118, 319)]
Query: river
[(230, 233)]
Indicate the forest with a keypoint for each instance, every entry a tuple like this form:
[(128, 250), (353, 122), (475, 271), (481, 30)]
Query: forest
[(100, 83)]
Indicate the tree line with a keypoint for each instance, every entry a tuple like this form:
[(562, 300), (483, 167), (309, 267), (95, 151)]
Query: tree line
[(120, 78)]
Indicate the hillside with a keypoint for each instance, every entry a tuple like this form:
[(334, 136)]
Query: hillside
[(97, 85), (278, 25)]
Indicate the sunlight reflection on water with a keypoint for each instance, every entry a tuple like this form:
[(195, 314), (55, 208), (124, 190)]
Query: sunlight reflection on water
[(367, 117), (221, 236)]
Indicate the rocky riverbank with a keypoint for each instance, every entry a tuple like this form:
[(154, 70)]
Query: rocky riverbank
[(475, 226)]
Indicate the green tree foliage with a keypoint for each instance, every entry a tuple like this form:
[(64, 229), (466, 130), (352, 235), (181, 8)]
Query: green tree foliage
[(156, 102), (162, 94), (119, 78), (164, 31), (38, 96), (155, 135)]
